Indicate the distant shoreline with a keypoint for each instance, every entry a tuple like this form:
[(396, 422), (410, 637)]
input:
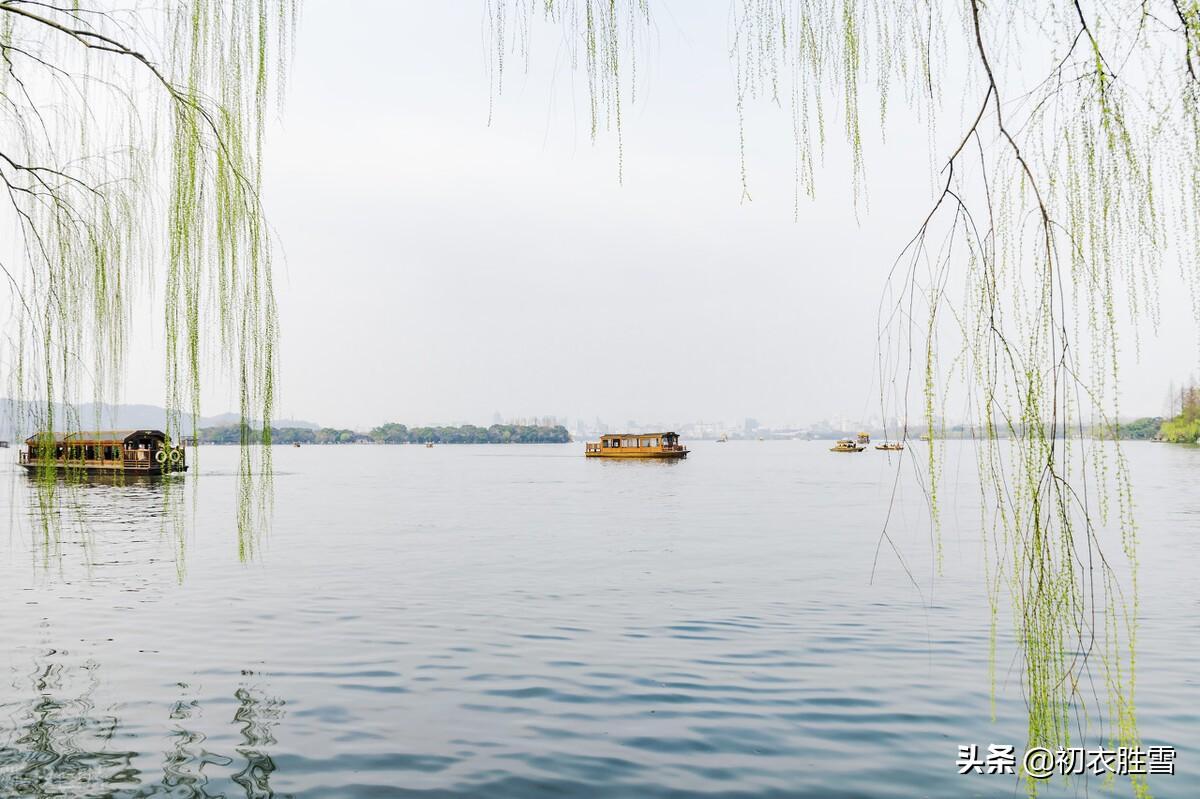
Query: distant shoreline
[(391, 433)]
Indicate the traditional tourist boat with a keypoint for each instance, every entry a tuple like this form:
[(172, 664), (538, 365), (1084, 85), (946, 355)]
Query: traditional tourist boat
[(847, 445), (890, 446), (864, 438), (134, 452), (636, 445)]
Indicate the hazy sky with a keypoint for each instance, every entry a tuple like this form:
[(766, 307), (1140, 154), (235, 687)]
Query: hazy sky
[(439, 270)]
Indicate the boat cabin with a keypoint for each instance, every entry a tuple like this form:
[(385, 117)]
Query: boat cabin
[(112, 451), (636, 445)]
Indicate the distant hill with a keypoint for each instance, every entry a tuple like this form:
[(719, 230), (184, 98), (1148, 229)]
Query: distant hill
[(225, 419), (14, 418)]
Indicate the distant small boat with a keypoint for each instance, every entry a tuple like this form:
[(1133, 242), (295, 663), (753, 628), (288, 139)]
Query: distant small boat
[(428, 445), (723, 438), (890, 446), (296, 444), (864, 438), (847, 445)]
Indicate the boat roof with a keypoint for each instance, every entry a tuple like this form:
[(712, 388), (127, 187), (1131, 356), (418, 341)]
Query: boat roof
[(638, 435), (96, 436)]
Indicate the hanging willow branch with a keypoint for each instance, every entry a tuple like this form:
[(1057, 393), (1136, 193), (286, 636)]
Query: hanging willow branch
[(131, 159), (1072, 176)]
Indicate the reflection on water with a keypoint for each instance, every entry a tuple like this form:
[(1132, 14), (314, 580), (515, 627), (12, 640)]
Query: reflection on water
[(76, 509), (257, 716), (60, 742), (521, 621)]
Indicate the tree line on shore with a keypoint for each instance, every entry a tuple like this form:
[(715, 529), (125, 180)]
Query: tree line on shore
[(1181, 427), (1184, 427), (1145, 429), (392, 433)]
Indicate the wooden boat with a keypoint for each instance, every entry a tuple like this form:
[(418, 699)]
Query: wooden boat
[(890, 446), (135, 452), (847, 445), (636, 445), (864, 438)]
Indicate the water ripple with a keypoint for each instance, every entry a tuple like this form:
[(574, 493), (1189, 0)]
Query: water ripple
[(472, 625)]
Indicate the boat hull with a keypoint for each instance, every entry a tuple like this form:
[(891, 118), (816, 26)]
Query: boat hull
[(635, 455), (62, 468)]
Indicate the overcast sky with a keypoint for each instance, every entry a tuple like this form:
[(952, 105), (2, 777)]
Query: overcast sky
[(440, 270)]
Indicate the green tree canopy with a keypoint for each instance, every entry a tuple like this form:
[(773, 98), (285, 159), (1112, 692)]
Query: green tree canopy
[(131, 160)]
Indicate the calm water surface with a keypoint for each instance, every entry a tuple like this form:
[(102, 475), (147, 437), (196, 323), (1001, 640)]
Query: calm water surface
[(521, 622)]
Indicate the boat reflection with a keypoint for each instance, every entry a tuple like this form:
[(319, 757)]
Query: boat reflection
[(92, 511), (76, 504)]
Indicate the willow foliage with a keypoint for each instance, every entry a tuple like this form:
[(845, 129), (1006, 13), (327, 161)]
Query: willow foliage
[(1060, 193), (131, 145)]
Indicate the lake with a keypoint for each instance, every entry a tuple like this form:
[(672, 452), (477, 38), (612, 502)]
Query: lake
[(519, 621)]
